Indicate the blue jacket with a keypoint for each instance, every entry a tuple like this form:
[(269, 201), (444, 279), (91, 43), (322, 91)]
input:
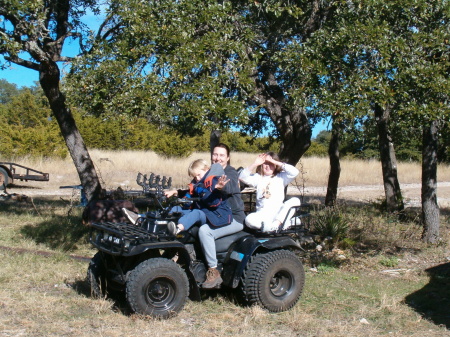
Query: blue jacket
[(212, 201)]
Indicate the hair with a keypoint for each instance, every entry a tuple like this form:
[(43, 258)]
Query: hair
[(226, 147), (199, 164), (277, 170)]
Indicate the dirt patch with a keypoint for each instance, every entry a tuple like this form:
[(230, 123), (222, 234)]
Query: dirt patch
[(371, 193), (361, 193)]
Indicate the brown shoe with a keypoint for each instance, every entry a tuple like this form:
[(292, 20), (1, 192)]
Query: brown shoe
[(213, 279)]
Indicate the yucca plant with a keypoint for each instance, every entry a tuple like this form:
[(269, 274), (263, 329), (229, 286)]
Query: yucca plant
[(329, 222)]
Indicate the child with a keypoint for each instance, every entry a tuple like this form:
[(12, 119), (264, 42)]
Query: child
[(211, 208), (270, 180)]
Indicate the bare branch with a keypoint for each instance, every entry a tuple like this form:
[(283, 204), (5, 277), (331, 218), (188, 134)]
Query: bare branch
[(21, 62)]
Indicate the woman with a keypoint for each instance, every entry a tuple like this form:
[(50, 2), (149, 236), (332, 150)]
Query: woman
[(207, 233), (270, 180)]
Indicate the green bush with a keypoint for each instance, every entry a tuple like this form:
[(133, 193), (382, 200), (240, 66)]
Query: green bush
[(27, 129), (329, 222), (317, 150), (388, 261)]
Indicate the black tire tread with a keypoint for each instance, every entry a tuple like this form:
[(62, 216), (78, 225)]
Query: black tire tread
[(141, 271), (95, 277), (251, 282)]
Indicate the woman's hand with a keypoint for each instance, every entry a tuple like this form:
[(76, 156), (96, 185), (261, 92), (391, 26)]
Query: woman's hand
[(221, 182)]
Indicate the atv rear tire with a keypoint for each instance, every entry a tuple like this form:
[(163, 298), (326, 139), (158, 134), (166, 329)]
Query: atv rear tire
[(157, 287), (273, 280), (96, 278)]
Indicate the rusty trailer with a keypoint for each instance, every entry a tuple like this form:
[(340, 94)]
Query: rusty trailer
[(11, 171)]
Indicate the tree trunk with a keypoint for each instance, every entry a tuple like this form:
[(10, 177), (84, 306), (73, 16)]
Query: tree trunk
[(49, 79), (292, 125), (430, 208), (335, 165), (394, 199), (295, 134), (214, 139)]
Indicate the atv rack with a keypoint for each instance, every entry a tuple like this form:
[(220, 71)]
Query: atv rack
[(118, 238)]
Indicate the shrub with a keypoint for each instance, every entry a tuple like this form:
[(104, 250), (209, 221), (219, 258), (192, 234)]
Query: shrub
[(388, 261), (329, 222)]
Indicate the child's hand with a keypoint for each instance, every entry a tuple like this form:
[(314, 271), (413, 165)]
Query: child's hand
[(260, 159), (170, 193), (222, 181), (269, 159)]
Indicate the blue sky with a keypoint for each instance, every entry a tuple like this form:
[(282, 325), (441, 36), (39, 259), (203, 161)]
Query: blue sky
[(21, 76)]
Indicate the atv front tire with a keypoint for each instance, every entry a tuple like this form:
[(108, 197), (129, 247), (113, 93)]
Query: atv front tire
[(96, 276), (157, 287), (273, 280)]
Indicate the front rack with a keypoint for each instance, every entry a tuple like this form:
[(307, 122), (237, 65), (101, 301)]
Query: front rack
[(117, 238)]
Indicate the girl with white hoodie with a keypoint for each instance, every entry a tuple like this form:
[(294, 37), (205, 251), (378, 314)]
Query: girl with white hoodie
[(270, 180)]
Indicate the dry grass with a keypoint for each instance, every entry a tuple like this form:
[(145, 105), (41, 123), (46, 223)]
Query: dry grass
[(119, 168), (382, 287)]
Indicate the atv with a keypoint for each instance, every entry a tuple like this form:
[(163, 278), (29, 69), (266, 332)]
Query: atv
[(159, 271)]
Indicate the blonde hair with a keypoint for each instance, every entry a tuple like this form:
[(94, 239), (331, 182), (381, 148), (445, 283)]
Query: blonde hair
[(199, 164)]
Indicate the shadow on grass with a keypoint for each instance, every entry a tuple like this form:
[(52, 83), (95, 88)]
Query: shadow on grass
[(62, 233), (433, 300), (54, 223), (118, 298)]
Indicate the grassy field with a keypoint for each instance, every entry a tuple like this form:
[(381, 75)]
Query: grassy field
[(382, 281), (119, 168)]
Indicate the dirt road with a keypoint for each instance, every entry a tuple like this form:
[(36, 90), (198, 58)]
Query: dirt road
[(361, 193)]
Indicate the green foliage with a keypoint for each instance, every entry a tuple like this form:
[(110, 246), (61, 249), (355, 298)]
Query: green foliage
[(7, 91), (27, 129), (388, 261), (330, 222), (323, 137), (327, 267), (317, 150)]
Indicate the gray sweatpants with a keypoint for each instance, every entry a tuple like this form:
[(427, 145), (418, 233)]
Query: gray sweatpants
[(208, 234)]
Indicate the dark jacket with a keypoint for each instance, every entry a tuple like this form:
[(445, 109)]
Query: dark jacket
[(233, 192), (212, 201)]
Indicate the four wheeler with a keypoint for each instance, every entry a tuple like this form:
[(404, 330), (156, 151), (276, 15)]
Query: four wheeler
[(159, 271)]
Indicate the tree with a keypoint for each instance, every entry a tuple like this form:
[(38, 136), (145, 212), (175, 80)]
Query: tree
[(38, 30), (393, 195), (386, 61), (335, 165), (189, 63), (430, 208), (7, 91)]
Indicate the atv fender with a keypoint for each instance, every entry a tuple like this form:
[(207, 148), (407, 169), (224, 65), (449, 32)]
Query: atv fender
[(240, 253)]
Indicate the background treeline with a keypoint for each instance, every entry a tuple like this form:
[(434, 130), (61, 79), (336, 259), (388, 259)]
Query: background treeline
[(27, 128)]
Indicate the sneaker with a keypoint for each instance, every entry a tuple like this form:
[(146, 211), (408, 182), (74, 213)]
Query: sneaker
[(172, 228), (213, 279), (133, 217)]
